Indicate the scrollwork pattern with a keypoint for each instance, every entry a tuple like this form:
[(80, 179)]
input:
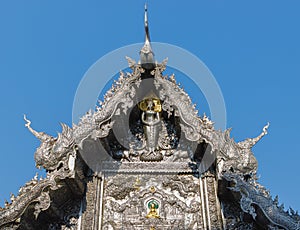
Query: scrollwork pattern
[(253, 194)]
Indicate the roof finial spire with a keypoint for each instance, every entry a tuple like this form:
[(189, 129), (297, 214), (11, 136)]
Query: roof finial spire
[(146, 24), (146, 53)]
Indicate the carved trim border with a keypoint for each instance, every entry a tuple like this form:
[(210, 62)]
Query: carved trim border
[(149, 167)]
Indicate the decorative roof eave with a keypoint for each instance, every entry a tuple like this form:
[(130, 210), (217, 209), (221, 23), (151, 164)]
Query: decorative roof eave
[(252, 193), (35, 191), (57, 156)]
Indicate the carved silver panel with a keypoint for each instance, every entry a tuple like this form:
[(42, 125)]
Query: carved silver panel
[(141, 201)]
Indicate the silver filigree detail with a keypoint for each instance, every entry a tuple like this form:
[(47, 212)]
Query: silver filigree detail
[(254, 194), (43, 203), (52, 151)]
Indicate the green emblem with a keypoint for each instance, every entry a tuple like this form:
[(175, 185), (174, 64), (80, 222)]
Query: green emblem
[(153, 203)]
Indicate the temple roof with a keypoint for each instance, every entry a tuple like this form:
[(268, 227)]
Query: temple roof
[(72, 156), (63, 157)]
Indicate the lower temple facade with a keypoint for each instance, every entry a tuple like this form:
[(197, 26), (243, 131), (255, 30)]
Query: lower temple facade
[(158, 202)]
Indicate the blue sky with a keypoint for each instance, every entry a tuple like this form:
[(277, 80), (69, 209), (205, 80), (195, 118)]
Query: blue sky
[(251, 47)]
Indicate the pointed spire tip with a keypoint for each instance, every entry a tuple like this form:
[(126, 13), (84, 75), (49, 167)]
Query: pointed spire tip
[(146, 54)]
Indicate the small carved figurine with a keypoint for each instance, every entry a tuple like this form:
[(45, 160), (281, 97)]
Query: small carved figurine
[(153, 210)]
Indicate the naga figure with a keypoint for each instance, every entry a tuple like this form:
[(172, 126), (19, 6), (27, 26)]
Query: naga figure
[(241, 159), (52, 150), (151, 108), (47, 143)]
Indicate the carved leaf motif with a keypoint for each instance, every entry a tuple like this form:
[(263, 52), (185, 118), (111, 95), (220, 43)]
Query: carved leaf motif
[(131, 62), (43, 204)]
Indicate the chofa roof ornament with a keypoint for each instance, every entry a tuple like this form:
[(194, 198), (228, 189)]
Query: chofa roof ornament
[(146, 53)]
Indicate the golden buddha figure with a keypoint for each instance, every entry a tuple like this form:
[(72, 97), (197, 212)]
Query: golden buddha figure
[(153, 206)]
